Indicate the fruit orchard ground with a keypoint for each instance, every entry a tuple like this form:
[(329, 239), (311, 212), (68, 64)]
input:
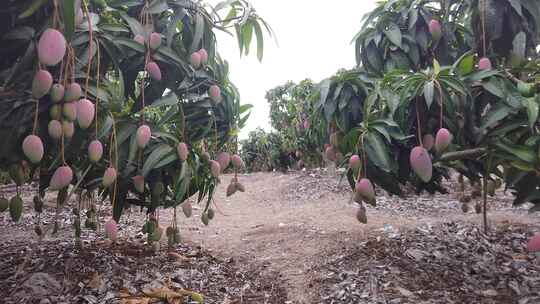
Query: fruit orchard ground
[(297, 223), (292, 238)]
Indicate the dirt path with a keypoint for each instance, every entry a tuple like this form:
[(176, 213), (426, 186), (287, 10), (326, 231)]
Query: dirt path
[(279, 223)]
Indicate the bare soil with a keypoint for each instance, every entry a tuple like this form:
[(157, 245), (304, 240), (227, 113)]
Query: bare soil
[(294, 238), (294, 223)]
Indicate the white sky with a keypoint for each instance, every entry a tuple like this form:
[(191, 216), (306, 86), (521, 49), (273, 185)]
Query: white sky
[(313, 42)]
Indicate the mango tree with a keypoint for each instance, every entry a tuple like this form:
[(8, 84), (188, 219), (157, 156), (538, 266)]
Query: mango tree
[(127, 99), (439, 85)]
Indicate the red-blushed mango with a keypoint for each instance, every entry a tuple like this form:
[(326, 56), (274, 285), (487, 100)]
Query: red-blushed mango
[(68, 128), (154, 41), (421, 163), (365, 189), (51, 47), (484, 64), (215, 168), (109, 177), (442, 140), (139, 39), (215, 93), (240, 187), (95, 151), (330, 153), (231, 189), (57, 92), (187, 209), (41, 84), (143, 136), (33, 148), (85, 113), (153, 69), (61, 178), (204, 56), (533, 245), (70, 110), (237, 161), (224, 159), (55, 112), (435, 29), (183, 151), (428, 141), (55, 129), (361, 215), (195, 60), (205, 156), (73, 92), (138, 183), (354, 162), (111, 229), (307, 125)]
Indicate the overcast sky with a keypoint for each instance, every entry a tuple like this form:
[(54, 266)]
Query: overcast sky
[(313, 42)]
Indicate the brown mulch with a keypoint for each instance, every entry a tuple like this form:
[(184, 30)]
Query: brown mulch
[(59, 272), (310, 185), (449, 263), (54, 270)]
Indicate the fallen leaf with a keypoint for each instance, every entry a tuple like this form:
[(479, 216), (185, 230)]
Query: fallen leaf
[(177, 257), (95, 281)]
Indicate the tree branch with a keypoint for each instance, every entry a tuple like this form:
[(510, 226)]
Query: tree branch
[(465, 154)]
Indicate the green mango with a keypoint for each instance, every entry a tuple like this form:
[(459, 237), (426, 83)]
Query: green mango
[(38, 204), (4, 204), (526, 89), (16, 208), (211, 214), (156, 235), (205, 219), (17, 174), (77, 226)]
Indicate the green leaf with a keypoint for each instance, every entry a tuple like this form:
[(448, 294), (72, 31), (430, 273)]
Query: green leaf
[(436, 67), (171, 28), (524, 153), (134, 25), (69, 18), (36, 4), (377, 151), (158, 7), (20, 33), (465, 64), (394, 34), (260, 40), (494, 86), (247, 35), (532, 110), (520, 44), (429, 92), (155, 157), (498, 113), (167, 100), (199, 31), (516, 4)]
